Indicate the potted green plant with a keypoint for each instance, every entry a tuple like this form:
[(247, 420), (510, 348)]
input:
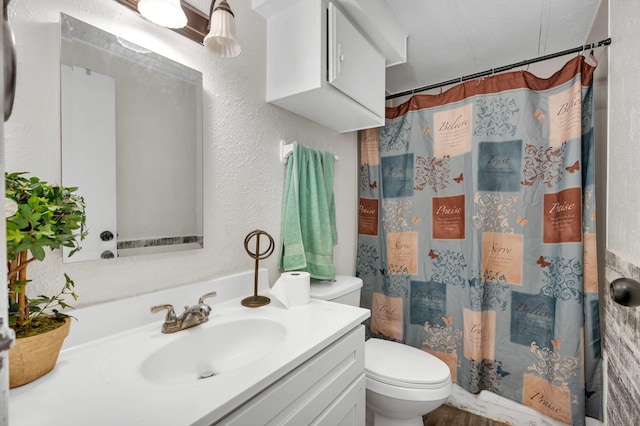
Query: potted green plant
[(40, 216)]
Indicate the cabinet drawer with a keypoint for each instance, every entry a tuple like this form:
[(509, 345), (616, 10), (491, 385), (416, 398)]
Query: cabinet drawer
[(307, 392)]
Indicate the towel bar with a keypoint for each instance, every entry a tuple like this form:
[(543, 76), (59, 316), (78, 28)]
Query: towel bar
[(287, 148)]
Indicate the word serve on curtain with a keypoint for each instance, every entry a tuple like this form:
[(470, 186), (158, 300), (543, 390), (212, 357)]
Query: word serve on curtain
[(477, 236)]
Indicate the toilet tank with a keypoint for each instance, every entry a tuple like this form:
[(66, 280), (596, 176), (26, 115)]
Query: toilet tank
[(344, 289)]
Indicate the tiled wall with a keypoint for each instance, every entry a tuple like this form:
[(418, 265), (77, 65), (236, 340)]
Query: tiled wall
[(622, 348)]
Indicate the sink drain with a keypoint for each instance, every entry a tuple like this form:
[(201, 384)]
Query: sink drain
[(207, 374)]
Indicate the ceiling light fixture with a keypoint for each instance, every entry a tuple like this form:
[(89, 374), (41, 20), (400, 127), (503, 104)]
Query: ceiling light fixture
[(221, 38), (167, 13)]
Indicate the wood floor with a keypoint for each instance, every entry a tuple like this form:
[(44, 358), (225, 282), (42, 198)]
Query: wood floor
[(449, 416)]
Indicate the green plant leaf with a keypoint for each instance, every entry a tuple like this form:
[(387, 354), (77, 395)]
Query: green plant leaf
[(25, 211), (37, 252), (20, 222)]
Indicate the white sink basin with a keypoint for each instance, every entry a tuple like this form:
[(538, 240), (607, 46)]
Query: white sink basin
[(208, 350), (229, 343)]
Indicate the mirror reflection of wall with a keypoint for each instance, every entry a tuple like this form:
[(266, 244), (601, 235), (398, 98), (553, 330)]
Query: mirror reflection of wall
[(132, 143)]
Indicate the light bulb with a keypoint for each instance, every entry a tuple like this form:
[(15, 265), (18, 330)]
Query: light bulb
[(167, 13)]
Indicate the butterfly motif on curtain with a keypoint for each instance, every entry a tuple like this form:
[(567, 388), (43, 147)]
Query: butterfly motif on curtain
[(448, 320), (557, 152), (459, 179), (501, 372), (539, 115), (416, 219), (543, 263), (432, 254), (557, 343), (574, 167), (522, 221), (373, 185)]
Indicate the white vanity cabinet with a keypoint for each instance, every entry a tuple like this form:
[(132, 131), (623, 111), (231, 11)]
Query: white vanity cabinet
[(321, 65), (328, 389), (298, 366)]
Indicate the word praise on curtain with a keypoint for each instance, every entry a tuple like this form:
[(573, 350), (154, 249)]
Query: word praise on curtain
[(477, 236)]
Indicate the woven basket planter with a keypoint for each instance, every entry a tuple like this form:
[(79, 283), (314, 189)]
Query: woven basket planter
[(33, 357)]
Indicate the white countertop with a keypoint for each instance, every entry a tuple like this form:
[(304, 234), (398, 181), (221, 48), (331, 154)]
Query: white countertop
[(86, 388)]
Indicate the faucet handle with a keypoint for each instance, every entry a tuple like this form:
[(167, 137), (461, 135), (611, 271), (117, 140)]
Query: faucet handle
[(171, 314), (206, 296)]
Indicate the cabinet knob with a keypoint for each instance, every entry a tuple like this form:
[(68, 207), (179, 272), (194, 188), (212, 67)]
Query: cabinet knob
[(106, 236), (107, 254)]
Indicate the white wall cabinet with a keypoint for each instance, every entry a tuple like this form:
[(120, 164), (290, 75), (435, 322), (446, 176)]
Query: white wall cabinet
[(321, 65), (328, 389)]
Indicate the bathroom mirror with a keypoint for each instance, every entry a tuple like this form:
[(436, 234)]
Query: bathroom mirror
[(131, 142)]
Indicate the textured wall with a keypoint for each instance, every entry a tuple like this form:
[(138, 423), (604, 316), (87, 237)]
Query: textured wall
[(624, 155), (621, 325), (622, 348), (243, 177)]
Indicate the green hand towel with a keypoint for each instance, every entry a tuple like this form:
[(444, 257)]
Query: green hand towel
[(308, 214)]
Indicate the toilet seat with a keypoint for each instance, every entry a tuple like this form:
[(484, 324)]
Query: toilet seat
[(395, 364)]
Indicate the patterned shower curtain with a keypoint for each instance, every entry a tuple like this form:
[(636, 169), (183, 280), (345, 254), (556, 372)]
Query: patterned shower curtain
[(477, 236)]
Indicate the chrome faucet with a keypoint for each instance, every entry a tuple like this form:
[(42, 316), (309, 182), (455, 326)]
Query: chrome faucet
[(192, 315)]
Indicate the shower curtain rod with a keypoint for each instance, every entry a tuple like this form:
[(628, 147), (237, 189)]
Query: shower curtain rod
[(492, 71)]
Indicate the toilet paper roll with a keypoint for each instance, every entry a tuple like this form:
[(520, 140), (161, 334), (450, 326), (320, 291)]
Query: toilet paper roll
[(292, 288)]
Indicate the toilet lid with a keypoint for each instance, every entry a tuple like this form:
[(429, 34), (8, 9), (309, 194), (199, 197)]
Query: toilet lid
[(397, 364), (328, 290)]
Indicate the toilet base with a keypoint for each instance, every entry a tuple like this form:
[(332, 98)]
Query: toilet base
[(377, 419), (383, 410)]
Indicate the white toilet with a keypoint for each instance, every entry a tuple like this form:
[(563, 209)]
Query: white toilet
[(403, 382)]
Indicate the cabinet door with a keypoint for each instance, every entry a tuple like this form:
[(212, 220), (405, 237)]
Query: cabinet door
[(6, 334), (326, 390), (348, 409), (89, 133), (356, 68)]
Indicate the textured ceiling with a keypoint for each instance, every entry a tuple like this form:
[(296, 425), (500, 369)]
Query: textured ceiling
[(454, 38)]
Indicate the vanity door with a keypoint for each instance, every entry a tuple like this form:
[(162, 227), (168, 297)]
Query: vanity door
[(6, 334)]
